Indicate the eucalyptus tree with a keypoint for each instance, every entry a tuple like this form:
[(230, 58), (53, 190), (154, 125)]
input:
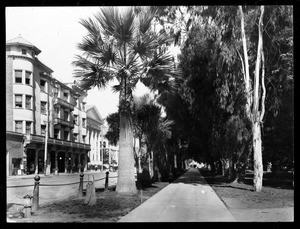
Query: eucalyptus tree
[(121, 45)]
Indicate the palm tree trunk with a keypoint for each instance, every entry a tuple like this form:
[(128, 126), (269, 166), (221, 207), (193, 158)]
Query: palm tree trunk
[(126, 174)]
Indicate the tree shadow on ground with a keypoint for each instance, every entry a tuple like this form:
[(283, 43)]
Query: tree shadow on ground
[(230, 186), (193, 179), (271, 182)]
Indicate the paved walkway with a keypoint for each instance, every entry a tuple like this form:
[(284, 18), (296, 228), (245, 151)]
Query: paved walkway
[(187, 199)]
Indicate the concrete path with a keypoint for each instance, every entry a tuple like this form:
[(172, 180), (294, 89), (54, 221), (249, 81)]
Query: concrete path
[(187, 199)]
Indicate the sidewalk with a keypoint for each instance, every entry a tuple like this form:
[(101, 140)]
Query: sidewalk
[(187, 199)]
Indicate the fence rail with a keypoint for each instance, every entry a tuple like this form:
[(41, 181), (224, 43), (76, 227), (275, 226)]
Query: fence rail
[(31, 185)]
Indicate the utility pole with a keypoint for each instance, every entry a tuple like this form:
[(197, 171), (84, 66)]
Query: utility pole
[(46, 143)]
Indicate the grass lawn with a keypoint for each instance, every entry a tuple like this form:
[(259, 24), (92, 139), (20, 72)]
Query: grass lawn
[(274, 203), (110, 207)]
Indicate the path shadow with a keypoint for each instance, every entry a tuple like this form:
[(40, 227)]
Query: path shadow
[(230, 186), (277, 182), (191, 178)]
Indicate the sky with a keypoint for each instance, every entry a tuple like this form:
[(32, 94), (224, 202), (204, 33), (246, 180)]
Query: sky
[(56, 32)]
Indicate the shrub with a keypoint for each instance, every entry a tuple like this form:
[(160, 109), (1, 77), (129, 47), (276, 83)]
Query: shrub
[(143, 179)]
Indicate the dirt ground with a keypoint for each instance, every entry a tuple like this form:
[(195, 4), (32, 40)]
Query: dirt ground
[(275, 203), (110, 207)]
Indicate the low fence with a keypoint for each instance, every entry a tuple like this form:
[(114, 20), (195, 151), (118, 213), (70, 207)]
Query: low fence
[(33, 205), (30, 185)]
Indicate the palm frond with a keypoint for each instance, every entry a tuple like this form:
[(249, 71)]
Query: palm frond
[(89, 45), (91, 74), (116, 23), (145, 18), (160, 72), (125, 29), (165, 128), (91, 26), (116, 88), (107, 18)]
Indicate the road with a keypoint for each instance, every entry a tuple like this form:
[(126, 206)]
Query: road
[(58, 191)]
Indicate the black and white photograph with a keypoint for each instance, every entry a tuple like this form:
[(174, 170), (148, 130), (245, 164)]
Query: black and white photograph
[(177, 113)]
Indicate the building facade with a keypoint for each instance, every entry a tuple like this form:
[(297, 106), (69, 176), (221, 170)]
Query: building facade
[(102, 154), (45, 118)]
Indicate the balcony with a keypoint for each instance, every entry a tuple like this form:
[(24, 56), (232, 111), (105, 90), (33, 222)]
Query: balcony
[(63, 103), (63, 122), (58, 142)]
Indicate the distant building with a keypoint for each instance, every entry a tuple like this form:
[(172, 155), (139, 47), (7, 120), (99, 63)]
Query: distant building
[(94, 125), (38, 105), (102, 153)]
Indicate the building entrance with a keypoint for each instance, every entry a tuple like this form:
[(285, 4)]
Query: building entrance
[(61, 162), (30, 161), (52, 161), (41, 162)]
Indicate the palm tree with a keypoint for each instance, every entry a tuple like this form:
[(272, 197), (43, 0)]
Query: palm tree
[(154, 129), (121, 45)]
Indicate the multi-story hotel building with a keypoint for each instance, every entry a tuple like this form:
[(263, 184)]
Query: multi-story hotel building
[(45, 119)]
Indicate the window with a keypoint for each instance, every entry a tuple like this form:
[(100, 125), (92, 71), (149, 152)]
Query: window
[(18, 101), (24, 51), (43, 85), (18, 76), (104, 144), (83, 106), (83, 138), (28, 102), (27, 77), (56, 112), (75, 119), (66, 135), (75, 136), (66, 95), (83, 122), (43, 107), (56, 133), (55, 91), (43, 130), (19, 126), (66, 115), (28, 127)]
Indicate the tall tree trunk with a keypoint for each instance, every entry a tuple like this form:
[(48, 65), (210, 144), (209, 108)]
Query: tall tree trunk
[(255, 115), (126, 170), (223, 167), (139, 156), (258, 164), (241, 164), (151, 169), (126, 174)]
